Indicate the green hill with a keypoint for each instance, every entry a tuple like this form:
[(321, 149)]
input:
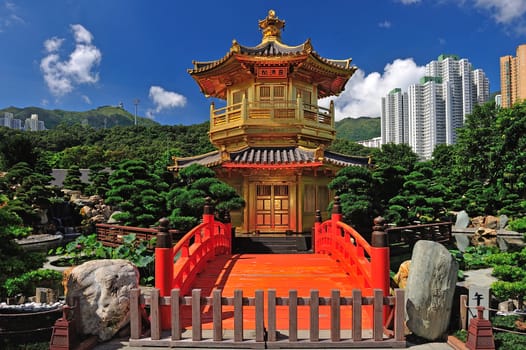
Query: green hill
[(358, 129), (102, 117)]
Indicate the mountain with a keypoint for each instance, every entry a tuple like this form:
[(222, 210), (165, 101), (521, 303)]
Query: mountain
[(102, 117), (358, 129)]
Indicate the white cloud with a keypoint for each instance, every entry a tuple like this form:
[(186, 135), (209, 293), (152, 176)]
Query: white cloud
[(53, 44), (86, 99), (8, 17), (362, 94), (409, 2), (503, 11), (61, 76), (384, 24), (81, 34), (163, 99)]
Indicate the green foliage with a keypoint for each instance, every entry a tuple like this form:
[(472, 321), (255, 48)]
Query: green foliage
[(354, 186), (358, 129), (518, 225), (101, 117), (395, 155), (72, 180), (477, 257), (86, 248), (11, 227), (509, 269), (27, 282), (420, 199), (344, 146), (187, 198), (510, 341), (138, 193)]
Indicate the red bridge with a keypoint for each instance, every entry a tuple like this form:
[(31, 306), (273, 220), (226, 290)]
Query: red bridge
[(339, 293)]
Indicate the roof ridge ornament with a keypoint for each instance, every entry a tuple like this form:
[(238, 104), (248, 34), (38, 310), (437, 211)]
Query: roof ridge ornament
[(271, 27)]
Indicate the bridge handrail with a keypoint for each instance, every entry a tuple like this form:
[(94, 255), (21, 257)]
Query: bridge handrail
[(192, 253), (209, 239), (346, 245)]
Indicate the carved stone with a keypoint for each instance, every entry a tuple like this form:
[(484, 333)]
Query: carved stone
[(430, 289), (103, 288)]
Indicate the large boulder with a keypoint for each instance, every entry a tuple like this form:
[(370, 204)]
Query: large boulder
[(430, 289), (103, 289)]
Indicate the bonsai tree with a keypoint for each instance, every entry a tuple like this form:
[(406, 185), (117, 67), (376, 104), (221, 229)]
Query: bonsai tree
[(509, 269), (98, 178), (354, 186), (30, 192), (13, 260), (187, 199), (72, 180), (138, 193)]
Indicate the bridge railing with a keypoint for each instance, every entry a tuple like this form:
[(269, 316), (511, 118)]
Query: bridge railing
[(367, 263), (249, 311), (111, 235), (177, 266)]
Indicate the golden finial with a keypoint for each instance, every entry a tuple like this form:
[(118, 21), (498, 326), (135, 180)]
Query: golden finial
[(271, 26)]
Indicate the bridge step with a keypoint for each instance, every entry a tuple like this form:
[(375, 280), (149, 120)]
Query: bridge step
[(262, 244)]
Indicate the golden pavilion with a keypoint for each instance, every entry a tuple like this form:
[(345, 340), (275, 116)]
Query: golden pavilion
[(272, 136)]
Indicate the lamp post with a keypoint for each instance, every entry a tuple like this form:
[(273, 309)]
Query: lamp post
[(136, 102)]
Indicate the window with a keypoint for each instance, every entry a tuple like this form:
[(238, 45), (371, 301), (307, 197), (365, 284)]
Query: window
[(264, 92)]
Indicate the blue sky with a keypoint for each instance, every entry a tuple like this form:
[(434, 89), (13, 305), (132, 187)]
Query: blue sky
[(82, 54)]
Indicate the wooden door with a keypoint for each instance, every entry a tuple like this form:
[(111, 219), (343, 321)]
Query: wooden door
[(272, 207)]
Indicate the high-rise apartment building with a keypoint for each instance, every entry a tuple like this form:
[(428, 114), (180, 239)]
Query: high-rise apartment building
[(394, 117), (33, 124), (513, 77), (7, 120), (436, 107)]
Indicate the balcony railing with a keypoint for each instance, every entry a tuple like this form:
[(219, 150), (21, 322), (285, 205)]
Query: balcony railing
[(281, 112)]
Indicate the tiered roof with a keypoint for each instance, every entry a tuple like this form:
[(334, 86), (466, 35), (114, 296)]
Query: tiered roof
[(241, 62), (272, 157)]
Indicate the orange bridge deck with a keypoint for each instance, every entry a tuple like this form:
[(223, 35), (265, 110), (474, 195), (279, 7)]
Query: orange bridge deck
[(282, 272)]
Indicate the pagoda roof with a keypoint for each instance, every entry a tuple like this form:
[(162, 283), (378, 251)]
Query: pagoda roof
[(272, 157), (238, 64)]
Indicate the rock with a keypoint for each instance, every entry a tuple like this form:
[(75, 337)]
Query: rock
[(484, 236), (400, 278), (502, 244), (491, 222), (430, 289), (477, 221), (503, 221), (462, 242), (86, 211), (112, 219), (103, 288), (462, 219)]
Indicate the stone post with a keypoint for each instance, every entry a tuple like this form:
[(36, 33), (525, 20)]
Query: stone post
[(164, 268)]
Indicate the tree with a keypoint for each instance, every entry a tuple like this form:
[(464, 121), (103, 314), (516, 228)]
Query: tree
[(138, 193), (13, 260), (18, 147), (354, 186), (392, 154), (421, 198), (187, 199), (98, 180), (72, 180), (508, 267), (349, 147)]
